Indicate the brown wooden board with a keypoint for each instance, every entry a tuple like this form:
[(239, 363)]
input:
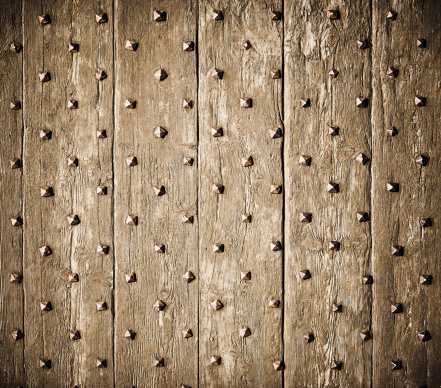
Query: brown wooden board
[(396, 215), (160, 162)]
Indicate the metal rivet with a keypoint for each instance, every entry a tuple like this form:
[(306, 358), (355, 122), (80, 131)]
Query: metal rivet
[(424, 336), (216, 304), (15, 105), (218, 248), (275, 133), (305, 274), (361, 102), (333, 187), (362, 44), (420, 101), (396, 308), (45, 250), (45, 364), (46, 192), (44, 19), (188, 161), (306, 103), (101, 306), (130, 335), (101, 134), (187, 219), (274, 303), (100, 75), (131, 45), (362, 159), (421, 43), (392, 72), (158, 362), (425, 222), (188, 276), (246, 218), (215, 360), (160, 132), (217, 73), (130, 277), (217, 188), (159, 16), (218, 15), (334, 245), (16, 47), (247, 161), (217, 131), (305, 160), (305, 217), (74, 335), (45, 306), (17, 334), (45, 134), (73, 219), (73, 47), (101, 363), (15, 278), (397, 250), (246, 102), (276, 189), (131, 161), (245, 332), (333, 73), (159, 190), (309, 337), (102, 249), (72, 162), (16, 221), (337, 308), (392, 131), (426, 279), (275, 246), (333, 14), (101, 190), (333, 130), (393, 187), (365, 335), (101, 18), (72, 104), (245, 275), (187, 103), (44, 77), (188, 46), (395, 364), (159, 248), (246, 45), (130, 104), (276, 74), (160, 75), (73, 277), (278, 365), (187, 333), (276, 15), (132, 220), (422, 160), (368, 279), (362, 216), (336, 365), (391, 15)]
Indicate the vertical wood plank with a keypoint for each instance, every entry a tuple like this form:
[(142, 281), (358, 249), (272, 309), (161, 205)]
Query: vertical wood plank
[(246, 74), (314, 45), (11, 241), (160, 162), (73, 247), (396, 215)]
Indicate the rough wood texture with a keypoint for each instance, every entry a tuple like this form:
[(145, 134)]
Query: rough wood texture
[(313, 46), (160, 162), (396, 216), (245, 361), (46, 164), (11, 196)]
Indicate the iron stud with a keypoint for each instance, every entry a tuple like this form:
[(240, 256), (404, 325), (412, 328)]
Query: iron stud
[(397, 250), (333, 73), (365, 335), (245, 275), (101, 190), (188, 46), (101, 306), (130, 335), (217, 188), (16, 221), (216, 304), (15, 105), (159, 362), (131, 45), (333, 14), (333, 130), (276, 15), (276, 189), (305, 274), (368, 279), (362, 102), (246, 102), (422, 160), (187, 219), (425, 222), (421, 43), (132, 220), (275, 133), (275, 246), (278, 365), (395, 365), (15, 278), (160, 132), (420, 101), (217, 131), (337, 308), (336, 365), (130, 277), (73, 277), (246, 218), (72, 104), (131, 161), (73, 47), (276, 74), (130, 104), (45, 250), (187, 333), (159, 190), (274, 303), (215, 360), (74, 335), (73, 219), (187, 103), (160, 75), (426, 279), (245, 332), (396, 308), (101, 363), (247, 161), (101, 18), (159, 16), (44, 77), (45, 364), (309, 337), (100, 75), (246, 45), (15, 47), (305, 160), (392, 131), (46, 192), (188, 161), (217, 73), (218, 248), (362, 159), (362, 44), (188, 277), (101, 134), (362, 216), (333, 187), (393, 187), (424, 336), (102, 249), (218, 15), (392, 72), (17, 334), (391, 15), (44, 19), (159, 248), (45, 306), (45, 134)]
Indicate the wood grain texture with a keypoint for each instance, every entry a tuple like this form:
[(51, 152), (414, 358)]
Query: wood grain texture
[(46, 164), (160, 162), (396, 215), (313, 46), (11, 196), (245, 361)]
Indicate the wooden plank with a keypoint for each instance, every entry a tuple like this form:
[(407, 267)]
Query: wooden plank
[(160, 162), (246, 74), (11, 196), (314, 45), (46, 164), (396, 215)]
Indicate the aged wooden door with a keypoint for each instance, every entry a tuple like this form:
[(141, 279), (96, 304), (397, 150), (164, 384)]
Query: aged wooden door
[(212, 193)]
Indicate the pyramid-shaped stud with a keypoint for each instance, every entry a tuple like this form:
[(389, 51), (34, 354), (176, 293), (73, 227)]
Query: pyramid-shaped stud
[(276, 189), (15, 278), (187, 333), (245, 275), (187, 103), (333, 73), (160, 132), (15, 105), (420, 101), (159, 248), (391, 15), (305, 274), (424, 336), (159, 305), (396, 308), (422, 160), (392, 131), (361, 102), (73, 47), (368, 279), (45, 250), (395, 365), (246, 218), (159, 16), (333, 187), (44, 19), (278, 365), (16, 221), (362, 159), (45, 134), (337, 308), (218, 15), (246, 45), (130, 335), (218, 248), (187, 219), (392, 72), (45, 364), (247, 161), (130, 104), (46, 192), (72, 104), (102, 249), (425, 222), (132, 220), (15, 47), (160, 75), (216, 304), (392, 187), (217, 73), (275, 133), (424, 279), (362, 44), (101, 190), (305, 160), (73, 219), (309, 337), (101, 17), (276, 15), (101, 306), (101, 363), (74, 335), (44, 76), (246, 102), (73, 277), (45, 306), (131, 161), (72, 162), (159, 190), (217, 131), (305, 217), (333, 130), (306, 102), (101, 134), (17, 334), (158, 362), (188, 161), (365, 335), (421, 43), (274, 303), (336, 365), (188, 46), (130, 277), (131, 45), (362, 216), (100, 75), (397, 250), (15, 163), (276, 74), (245, 332), (188, 277), (333, 14), (217, 188), (275, 246)]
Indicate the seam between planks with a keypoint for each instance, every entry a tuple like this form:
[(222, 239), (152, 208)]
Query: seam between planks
[(282, 150), (112, 201), (198, 184)]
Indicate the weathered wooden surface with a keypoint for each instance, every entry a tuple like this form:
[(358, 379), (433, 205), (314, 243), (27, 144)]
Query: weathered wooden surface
[(396, 216), (160, 162)]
